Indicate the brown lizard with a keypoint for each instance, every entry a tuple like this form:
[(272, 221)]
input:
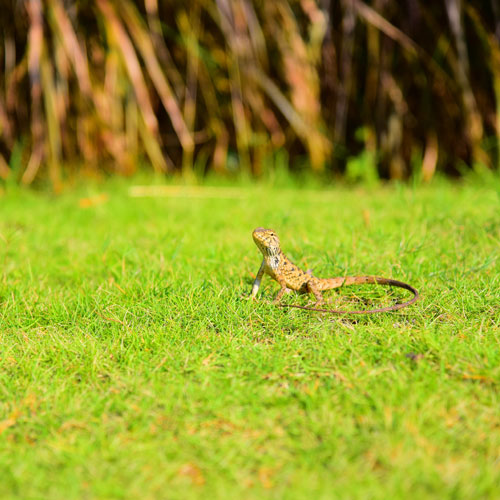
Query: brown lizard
[(280, 268)]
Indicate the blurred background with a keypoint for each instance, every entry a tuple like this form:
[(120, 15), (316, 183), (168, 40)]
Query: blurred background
[(361, 89)]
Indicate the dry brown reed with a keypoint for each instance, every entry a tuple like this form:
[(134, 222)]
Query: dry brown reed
[(107, 85)]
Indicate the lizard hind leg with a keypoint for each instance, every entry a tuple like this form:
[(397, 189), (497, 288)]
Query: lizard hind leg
[(312, 288), (280, 294)]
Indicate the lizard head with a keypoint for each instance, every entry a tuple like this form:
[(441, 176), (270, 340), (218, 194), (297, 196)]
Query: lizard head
[(267, 240)]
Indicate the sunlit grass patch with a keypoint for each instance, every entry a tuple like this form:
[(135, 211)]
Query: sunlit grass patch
[(132, 363)]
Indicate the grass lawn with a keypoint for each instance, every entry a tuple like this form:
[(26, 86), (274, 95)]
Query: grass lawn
[(132, 364)]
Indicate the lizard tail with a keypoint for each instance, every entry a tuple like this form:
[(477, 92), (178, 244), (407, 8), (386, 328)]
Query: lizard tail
[(330, 283)]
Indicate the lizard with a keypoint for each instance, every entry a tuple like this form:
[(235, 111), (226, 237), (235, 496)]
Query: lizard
[(290, 277)]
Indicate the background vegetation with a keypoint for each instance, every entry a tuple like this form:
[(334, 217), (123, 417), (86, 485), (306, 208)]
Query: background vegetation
[(375, 88)]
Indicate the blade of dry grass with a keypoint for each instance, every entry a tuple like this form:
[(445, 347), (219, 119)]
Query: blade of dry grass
[(160, 159), (69, 42), (4, 168), (35, 47), (474, 122), (52, 120), (161, 48), (145, 46), (430, 159), (5, 127), (123, 45), (215, 123), (187, 192), (234, 28), (300, 58), (491, 42), (345, 74), (371, 16), (282, 103), (10, 69), (189, 28), (132, 127)]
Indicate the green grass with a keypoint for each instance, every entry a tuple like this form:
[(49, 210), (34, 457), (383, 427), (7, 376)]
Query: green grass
[(132, 364)]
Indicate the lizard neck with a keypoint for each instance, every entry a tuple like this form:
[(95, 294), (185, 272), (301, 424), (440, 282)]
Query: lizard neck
[(273, 257)]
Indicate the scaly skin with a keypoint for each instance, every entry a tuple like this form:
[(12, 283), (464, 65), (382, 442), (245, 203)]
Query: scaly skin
[(290, 277)]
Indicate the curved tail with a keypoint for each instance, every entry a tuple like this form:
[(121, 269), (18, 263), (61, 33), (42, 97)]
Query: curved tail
[(329, 283)]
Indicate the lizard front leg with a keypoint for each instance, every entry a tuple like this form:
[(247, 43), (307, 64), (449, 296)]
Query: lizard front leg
[(282, 291), (256, 283)]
